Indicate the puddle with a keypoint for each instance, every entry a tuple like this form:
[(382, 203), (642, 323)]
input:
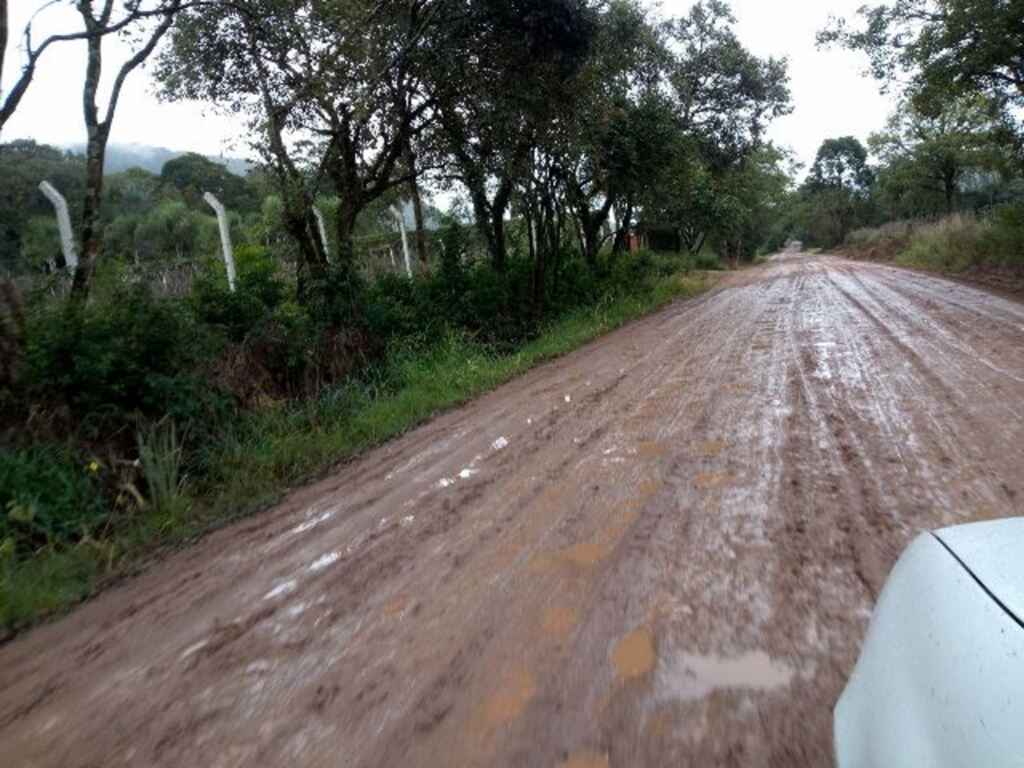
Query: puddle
[(395, 608), (558, 620), (649, 449), (468, 472), (324, 561), (506, 703), (633, 655), (499, 444), (444, 482), (713, 448), (711, 479), (312, 523), (284, 588), (694, 677)]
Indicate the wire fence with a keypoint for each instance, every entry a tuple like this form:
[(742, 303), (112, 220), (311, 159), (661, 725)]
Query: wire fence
[(377, 255)]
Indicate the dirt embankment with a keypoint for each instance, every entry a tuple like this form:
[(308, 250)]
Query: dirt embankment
[(661, 549)]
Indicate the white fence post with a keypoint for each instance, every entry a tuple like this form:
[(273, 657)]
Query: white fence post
[(60, 206), (225, 237), (400, 219), (322, 228)]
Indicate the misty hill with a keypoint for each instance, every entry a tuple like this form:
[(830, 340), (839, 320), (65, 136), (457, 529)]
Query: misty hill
[(121, 157)]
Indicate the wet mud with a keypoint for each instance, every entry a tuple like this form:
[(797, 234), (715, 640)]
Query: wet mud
[(662, 549)]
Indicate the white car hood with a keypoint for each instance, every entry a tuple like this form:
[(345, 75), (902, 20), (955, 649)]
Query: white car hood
[(993, 552)]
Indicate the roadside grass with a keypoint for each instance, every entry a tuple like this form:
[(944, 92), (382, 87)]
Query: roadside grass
[(957, 244), (285, 445)]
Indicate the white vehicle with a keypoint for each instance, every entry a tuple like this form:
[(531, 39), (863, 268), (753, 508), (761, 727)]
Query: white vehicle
[(940, 679)]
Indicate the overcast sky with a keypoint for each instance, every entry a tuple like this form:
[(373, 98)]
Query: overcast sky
[(831, 95)]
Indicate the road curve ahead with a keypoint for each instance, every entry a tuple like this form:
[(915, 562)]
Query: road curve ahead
[(661, 549)]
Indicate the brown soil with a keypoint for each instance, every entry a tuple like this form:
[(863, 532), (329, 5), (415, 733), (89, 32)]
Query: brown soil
[(662, 549)]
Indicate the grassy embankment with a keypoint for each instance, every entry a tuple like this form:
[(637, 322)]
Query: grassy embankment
[(285, 444), (959, 244)]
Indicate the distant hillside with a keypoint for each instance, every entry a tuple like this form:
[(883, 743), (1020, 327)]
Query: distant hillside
[(120, 157)]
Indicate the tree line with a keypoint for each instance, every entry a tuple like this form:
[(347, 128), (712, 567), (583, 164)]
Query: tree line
[(953, 144), (578, 119)]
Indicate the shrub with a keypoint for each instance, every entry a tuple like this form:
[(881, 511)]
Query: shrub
[(128, 353), (49, 496), (259, 290), (956, 243)]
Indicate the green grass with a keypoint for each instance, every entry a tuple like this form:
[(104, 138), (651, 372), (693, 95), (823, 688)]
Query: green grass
[(961, 243), (284, 445)]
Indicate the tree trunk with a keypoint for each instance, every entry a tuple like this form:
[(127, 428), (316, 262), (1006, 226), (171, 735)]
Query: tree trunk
[(622, 236), (417, 212), (348, 212), (949, 187), (12, 330), (92, 234)]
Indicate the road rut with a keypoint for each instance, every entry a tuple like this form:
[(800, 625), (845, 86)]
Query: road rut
[(661, 549)]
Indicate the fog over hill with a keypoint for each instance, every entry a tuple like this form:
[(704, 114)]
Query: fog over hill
[(120, 157)]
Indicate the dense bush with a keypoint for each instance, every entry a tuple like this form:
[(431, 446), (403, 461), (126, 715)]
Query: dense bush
[(958, 243), (49, 496), (124, 355)]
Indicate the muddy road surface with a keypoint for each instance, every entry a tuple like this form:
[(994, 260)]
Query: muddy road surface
[(662, 549)]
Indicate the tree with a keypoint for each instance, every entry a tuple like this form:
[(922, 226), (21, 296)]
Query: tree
[(621, 130), (841, 164), (149, 28), (108, 22), (836, 190), (521, 58), (947, 48), (928, 150), (193, 175), (329, 89), (23, 164), (724, 94), (724, 97)]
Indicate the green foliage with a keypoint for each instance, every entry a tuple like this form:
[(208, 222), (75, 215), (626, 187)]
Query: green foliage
[(49, 496), (259, 291), (963, 242), (125, 354), (958, 243), (835, 197), (160, 459), (23, 164), (944, 48), (193, 175)]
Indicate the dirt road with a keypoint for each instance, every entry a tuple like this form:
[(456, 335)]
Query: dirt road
[(662, 549)]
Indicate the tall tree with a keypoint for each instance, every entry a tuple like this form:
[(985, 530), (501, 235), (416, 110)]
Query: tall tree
[(938, 150), (520, 58), (842, 164), (149, 29), (945, 47), (835, 193), (124, 18), (622, 124), (330, 90)]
